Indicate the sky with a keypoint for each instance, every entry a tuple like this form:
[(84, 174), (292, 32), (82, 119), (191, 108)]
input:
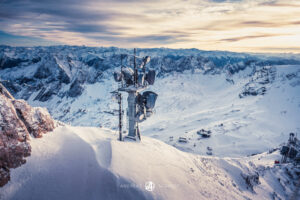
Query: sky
[(228, 25)]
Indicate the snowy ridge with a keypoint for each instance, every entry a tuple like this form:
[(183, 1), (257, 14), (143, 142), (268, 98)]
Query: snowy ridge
[(189, 101), (43, 73), (89, 163), (248, 102), (236, 96)]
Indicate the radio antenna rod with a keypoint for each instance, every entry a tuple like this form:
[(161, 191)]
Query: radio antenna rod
[(120, 115), (135, 69)]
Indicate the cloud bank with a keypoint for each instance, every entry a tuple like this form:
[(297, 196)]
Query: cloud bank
[(234, 25)]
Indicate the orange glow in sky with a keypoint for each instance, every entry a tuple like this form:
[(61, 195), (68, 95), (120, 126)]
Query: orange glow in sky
[(230, 25)]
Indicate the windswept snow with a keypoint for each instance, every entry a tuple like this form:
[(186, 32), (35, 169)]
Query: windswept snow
[(90, 163), (249, 102), (189, 101), (240, 126)]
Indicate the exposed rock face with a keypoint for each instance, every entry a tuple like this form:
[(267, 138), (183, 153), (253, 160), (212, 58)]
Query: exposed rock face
[(75, 89), (17, 121), (259, 82), (36, 120), (44, 73), (251, 180)]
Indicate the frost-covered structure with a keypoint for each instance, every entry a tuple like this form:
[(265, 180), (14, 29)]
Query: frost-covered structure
[(140, 105)]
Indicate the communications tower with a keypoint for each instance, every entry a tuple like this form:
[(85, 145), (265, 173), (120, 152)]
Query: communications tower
[(134, 80)]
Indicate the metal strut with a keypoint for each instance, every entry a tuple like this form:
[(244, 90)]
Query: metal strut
[(135, 69), (138, 131), (120, 116)]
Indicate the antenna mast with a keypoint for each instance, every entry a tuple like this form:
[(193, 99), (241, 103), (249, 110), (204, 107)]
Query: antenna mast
[(140, 105), (135, 69), (122, 56), (120, 115)]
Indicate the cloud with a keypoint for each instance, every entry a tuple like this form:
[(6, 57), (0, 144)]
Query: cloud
[(278, 3), (145, 39), (231, 24), (222, 1), (235, 39), (280, 49), (13, 40), (170, 23), (257, 23), (84, 18), (64, 16)]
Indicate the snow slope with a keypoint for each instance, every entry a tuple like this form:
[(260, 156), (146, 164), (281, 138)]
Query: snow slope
[(74, 83), (190, 100), (89, 163)]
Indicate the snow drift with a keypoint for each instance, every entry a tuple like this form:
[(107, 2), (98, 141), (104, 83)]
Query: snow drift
[(247, 102), (90, 163)]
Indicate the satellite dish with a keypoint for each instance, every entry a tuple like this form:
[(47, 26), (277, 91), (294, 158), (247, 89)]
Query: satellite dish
[(117, 76), (149, 99), (141, 79), (146, 103), (145, 61), (150, 77), (139, 100), (128, 75)]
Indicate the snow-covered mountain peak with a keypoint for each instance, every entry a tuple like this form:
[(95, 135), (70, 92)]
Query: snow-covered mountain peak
[(90, 163), (236, 96)]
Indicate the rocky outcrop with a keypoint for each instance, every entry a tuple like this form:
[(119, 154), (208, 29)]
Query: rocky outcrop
[(251, 180), (259, 83), (18, 120), (76, 89), (37, 120), (45, 73)]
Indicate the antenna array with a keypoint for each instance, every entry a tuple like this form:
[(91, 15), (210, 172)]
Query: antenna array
[(140, 105)]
